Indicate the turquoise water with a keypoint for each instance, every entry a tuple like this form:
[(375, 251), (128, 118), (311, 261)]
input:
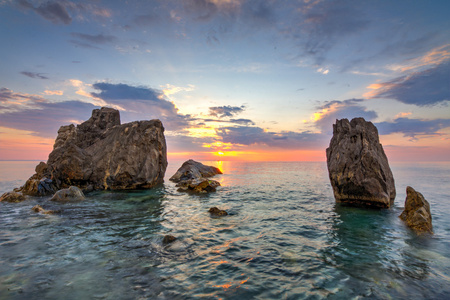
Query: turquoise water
[(285, 238)]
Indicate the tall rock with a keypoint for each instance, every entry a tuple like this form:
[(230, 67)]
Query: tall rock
[(103, 154), (357, 165), (417, 213)]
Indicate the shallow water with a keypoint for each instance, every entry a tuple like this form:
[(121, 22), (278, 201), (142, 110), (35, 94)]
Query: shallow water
[(285, 238)]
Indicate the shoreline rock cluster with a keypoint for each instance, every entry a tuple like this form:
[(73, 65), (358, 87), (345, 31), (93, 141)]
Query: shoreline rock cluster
[(102, 154), (193, 177)]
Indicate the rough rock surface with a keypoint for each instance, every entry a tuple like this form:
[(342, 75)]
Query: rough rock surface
[(12, 197), (71, 194), (101, 154), (192, 169), (191, 177), (357, 165), (417, 213), (214, 211), (200, 185)]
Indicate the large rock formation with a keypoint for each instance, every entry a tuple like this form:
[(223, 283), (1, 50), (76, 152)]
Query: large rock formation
[(357, 165), (417, 213), (192, 177), (102, 154)]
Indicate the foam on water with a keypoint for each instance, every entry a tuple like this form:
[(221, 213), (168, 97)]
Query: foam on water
[(284, 238)]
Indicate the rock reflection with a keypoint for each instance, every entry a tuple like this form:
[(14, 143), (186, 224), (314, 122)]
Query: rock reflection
[(377, 259)]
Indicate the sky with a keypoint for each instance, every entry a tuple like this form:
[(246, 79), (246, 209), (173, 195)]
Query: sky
[(230, 79)]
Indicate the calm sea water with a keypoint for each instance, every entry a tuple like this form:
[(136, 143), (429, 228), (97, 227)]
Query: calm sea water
[(285, 238)]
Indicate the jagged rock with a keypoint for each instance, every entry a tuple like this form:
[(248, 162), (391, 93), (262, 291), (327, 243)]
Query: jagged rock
[(214, 211), (102, 154), (39, 209), (417, 213), (192, 169), (73, 193), (12, 197), (167, 239), (357, 165)]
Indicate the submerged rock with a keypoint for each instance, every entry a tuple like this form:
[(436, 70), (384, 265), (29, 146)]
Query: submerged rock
[(102, 154), (357, 165), (73, 193), (214, 211), (167, 239), (417, 213), (191, 177), (39, 209), (12, 197)]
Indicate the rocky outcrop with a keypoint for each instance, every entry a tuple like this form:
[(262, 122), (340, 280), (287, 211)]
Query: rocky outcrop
[(216, 212), (12, 197), (192, 177), (102, 154), (71, 194), (417, 213), (357, 165)]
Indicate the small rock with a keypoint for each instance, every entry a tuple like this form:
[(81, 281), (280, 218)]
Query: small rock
[(417, 213), (192, 169), (39, 209), (73, 193), (12, 197), (200, 186), (168, 239), (214, 211)]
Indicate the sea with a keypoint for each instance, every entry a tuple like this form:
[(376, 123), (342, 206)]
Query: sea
[(285, 238)]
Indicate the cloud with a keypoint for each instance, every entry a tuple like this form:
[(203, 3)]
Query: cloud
[(434, 57), (95, 39), (423, 88), (37, 114), (52, 11), (325, 24), (251, 135), (225, 111), (234, 121), (333, 110), (413, 127), (48, 92), (33, 75), (142, 102)]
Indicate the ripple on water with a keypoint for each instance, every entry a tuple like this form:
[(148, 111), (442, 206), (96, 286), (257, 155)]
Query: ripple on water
[(284, 238)]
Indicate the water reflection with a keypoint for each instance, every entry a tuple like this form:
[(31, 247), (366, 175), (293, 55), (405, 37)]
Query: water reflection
[(378, 258)]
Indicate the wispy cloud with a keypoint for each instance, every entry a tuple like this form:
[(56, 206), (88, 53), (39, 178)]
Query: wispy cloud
[(64, 11), (95, 39), (37, 114), (413, 128), (34, 75), (253, 135), (332, 110), (225, 111), (53, 11), (422, 88)]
